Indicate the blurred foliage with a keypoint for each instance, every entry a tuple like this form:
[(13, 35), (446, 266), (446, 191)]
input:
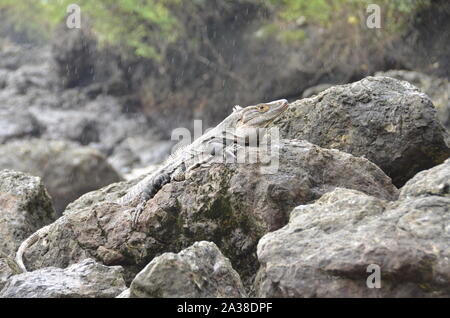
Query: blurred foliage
[(292, 15), (147, 27), (324, 12)]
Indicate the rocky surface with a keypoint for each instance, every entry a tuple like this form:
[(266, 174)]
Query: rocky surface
[(15, 125), (390, 122), (438, 89), (67, 169), (25, 206), (231, 205), (8, 268), (326, 248), (86, 279), (196, 272), (35, 102), (432, 182)]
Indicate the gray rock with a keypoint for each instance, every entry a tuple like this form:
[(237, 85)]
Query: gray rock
[(4, 74), (197, 272), (73, 125), (15, 55), (8, 268), (86, 279), (29, 77), (435, 181), (233, 205), (437, 88), (15, 125), (327, 247), (25, 206), (67, 170), (390, 122)]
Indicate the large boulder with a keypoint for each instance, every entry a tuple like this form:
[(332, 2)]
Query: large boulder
[(25, 206), (67, 170), (232, 205), (438, 89), (390, 122), (196, 272), (332, 247), (86, 279)]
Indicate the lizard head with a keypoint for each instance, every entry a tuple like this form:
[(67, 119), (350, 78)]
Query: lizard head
[(263, 114)]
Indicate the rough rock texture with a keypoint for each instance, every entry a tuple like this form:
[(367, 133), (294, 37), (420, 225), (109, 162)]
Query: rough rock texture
[(435, 181), (196, 272), (25, 206), (86, 279), (67, 170), (437, 88), (8, 268), (325, 249), (232, 205), (388, 121)]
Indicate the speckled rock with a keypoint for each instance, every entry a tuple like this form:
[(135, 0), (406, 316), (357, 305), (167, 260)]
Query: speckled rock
[(86, 279), (327, 247), (390, 122), (67, 170), (435, 181), (25, 206), (196, 272), (437, 88), (8, 268)]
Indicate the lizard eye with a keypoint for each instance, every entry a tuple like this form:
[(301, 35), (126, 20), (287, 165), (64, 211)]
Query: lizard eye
[(263, 108)]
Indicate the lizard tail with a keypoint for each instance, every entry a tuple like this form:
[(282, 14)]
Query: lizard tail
[(33, 238)]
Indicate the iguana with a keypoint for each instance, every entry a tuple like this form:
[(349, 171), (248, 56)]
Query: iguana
[(199, 152)]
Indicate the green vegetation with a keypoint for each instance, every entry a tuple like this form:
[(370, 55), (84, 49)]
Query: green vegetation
[(323, 12), (292, 15), (147, 27)]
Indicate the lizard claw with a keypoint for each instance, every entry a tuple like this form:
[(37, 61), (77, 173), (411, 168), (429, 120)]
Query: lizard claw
[(136, 213), (157, 184)]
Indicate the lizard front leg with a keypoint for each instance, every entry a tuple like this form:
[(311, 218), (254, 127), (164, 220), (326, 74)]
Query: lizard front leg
[(148, 192)]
